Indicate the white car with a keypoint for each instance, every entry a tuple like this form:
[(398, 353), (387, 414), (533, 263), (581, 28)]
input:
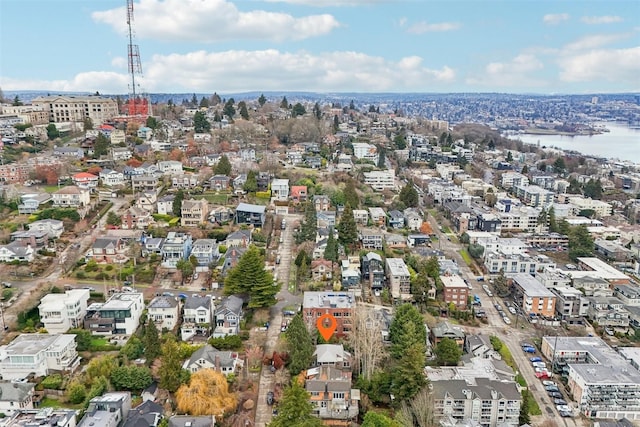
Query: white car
[(512, 310), (539, 364), (564, 408), (506, 320), (547, 382)]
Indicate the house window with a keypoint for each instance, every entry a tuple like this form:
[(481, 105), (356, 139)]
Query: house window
[(338, 395)]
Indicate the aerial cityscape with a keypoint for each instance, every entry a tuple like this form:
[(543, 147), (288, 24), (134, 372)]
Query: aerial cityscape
[(295, 213)]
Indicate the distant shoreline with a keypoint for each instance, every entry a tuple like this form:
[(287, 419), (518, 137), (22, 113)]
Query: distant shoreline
[(539, 131)]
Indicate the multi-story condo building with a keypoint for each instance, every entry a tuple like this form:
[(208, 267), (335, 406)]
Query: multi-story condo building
[(571, 305), (339, 304), (509, 180), (63, 109), (32, 114), (532, 195), (602, 382), (532, 296), (522, 263), (365, 151), (372, 269), (194, 212), (120, 315), (61, 312), (399, 278), (601, 208), (455, 291), (371, 239), (521, 219), (144, 183), (38, 354), (380, 180), (250, 214)]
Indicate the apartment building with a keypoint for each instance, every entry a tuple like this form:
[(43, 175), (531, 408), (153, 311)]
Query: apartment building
[(601, 208), (380, 180), (600, 380), (39, 354), (517, 263), (398, 278), (61, 312), (372, 270), (339, 304), (64, 109), (509, 180), (532, 296), (365, 151), (532, 195), (120, 315), (571, 305), (455, 291), (521, 219), (176, 246), (194, 212), (371, 239), (32, 114)]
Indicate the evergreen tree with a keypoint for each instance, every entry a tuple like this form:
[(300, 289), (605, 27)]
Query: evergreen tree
[(251, 184), (553, 224), (524, 408), (309, 226), (351, 195), (229, 110), (262, 100), (244, 113), (295, 409), (299, 344), (382, 157), (347, 229), (525, 170), (400, 142), (406, 329), (336, 123), (298, 110), (317, 112), (101, 146), (52, 132), (170, 372), (407, 375), (250, 277), (176, 208), (331, 251), (580, 242), (194, 100), (509, 157), (151, 342), (409, 196), (352, 106), (204, 103), (223, 167), (200, 123), (284, 103), (215, 99)]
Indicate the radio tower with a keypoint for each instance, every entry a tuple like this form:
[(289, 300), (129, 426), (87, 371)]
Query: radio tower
[(136, 106)]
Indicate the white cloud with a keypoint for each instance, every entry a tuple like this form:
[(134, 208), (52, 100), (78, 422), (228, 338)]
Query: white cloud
[(239, 71), (324, 3), (614, 65), (119, 62), (555, 18), (212, 21), (519, 72), (606, 19), (594, 41), (424, 27)]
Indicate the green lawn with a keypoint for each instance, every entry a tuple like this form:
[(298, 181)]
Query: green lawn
[(48, 402), (446, 230), (218, 199), (52, 188), (96, 342), (466, 257)]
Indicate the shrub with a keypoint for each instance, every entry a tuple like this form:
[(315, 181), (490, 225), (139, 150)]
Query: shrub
[(76, 393), (53, 382)]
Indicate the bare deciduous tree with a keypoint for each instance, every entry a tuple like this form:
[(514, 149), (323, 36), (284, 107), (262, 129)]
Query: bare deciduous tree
[(366, 339), (418, 411)]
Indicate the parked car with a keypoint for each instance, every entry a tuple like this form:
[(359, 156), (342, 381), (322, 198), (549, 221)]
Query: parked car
[(535, 359), (528, 349), (543, 374), (270, 398), (609, 331), (555, 394), (506, 320), (563, 408), (565, 414), (539, 364), (512, 310), (559, 401), (551, 388), (549, 383)]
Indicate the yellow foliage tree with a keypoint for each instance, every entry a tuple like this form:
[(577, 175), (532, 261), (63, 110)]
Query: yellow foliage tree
[(207, 394)]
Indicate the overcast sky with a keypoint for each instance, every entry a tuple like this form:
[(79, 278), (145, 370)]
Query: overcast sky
[(227, 46)]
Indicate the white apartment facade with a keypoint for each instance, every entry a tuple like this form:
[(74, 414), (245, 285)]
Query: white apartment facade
[(39, 354), (63, 109), (380, 180)]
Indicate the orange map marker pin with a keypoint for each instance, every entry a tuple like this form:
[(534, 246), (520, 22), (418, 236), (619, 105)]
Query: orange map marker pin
[(327, 325)]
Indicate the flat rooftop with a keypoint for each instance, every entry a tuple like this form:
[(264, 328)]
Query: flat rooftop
[(531, 286), (329, 300), (607, 374), (453, 281), (35, 343)]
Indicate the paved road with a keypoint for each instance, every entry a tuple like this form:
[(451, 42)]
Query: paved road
[(285, 299), (511, 336)]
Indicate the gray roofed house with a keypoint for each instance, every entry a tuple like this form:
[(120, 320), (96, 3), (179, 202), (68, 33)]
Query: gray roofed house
[(197, 317), (251, 214), (192, 421), (164, 312), (147, 414), (227, 316), (209, 357), (14, 396), (445, 330), (480, 346), (239, 238)]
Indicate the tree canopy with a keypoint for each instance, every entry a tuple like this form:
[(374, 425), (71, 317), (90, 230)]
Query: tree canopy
[(223, 167), (299, 344), (200, 123), (409, 196), (309, 226), (295, 409), (206, 394), (250, 277), (447, 352), (347, 229), (176, 207), (170, 372)]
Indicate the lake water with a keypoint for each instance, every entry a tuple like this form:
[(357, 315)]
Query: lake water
[(622, 142)]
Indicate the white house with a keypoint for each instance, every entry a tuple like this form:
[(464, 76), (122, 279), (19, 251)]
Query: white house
[(170, 167), (111, 178), (205, 251), (117, 137), (208, 357), (164, 312), (38, 354), (15, 397), (197, 316), (120, 315), (16, 251), (61, 312), (165, 205), (147, 201), (280, 189), (71, 197), (53, 227)]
